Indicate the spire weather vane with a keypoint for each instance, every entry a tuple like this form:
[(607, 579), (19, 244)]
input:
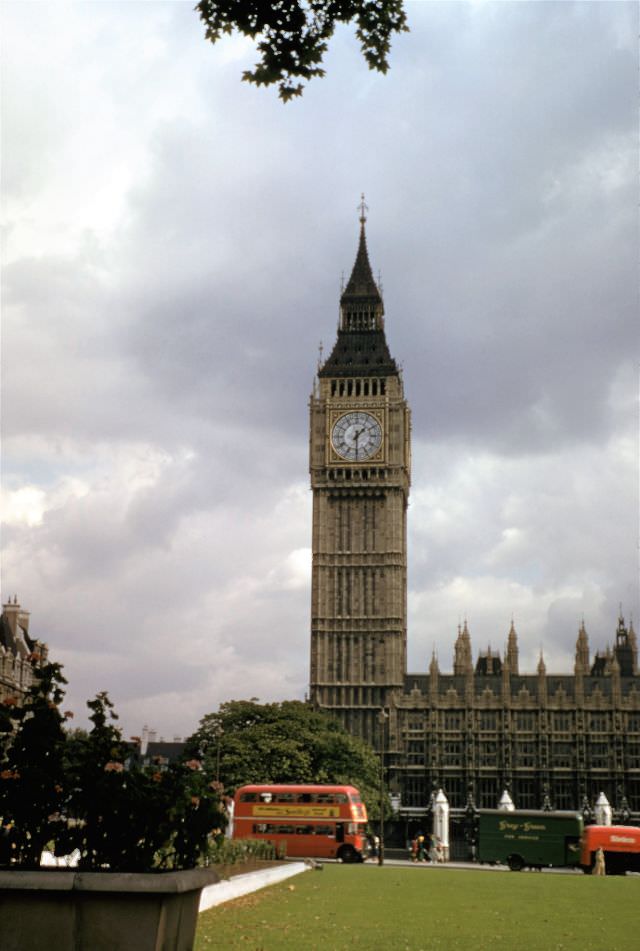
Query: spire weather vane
[(363, 208)]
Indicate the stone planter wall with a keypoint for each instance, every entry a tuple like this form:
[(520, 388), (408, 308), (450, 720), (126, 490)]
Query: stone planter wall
[(100, 911)]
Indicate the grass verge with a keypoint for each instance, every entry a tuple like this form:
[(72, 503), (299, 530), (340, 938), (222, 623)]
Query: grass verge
[(371, 909)]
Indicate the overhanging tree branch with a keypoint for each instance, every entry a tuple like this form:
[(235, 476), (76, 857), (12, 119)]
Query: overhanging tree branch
[(293, 35)]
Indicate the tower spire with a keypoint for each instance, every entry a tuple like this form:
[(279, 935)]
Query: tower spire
[(361, 287), (361, 349)]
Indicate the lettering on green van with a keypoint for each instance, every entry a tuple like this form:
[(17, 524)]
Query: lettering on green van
[(525, 826)]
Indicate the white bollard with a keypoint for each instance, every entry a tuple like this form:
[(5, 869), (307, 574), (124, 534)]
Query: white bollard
[(506, 802), (441, 827), (603, 812)]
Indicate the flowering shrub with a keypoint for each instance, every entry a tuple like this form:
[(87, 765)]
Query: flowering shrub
[(88, 791), (32, 780), (240, 851)]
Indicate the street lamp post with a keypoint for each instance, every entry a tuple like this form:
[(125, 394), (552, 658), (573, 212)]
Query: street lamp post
[(382, 717)]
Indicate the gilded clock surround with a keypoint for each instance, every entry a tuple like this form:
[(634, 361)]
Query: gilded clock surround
[(371, 413)]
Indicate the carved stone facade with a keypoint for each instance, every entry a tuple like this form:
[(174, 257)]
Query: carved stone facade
[(486, 728), (482, 728), (16, 647)]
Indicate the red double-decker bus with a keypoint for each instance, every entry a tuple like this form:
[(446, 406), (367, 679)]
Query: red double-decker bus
[(620, 844), (305, 821)]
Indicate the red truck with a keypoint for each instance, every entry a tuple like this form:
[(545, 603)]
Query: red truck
[(620, 844)]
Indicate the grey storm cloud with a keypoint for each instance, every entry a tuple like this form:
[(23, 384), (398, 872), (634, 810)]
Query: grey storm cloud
[(175, 246)]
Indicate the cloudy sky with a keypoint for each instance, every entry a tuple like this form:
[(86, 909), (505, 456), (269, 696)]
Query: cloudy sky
[(173, 252)]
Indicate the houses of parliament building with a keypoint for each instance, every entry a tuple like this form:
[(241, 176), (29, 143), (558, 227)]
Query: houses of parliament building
[(553, 739)]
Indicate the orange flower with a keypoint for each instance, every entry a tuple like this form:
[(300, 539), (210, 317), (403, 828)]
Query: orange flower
[(9, 774), (157, 777), (195, 801), (113, 767), (193, 764)]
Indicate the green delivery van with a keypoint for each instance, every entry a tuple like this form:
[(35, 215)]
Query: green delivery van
[(533, 839)]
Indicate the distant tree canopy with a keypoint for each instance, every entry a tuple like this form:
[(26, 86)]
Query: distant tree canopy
[(289, 742), (293, 34)]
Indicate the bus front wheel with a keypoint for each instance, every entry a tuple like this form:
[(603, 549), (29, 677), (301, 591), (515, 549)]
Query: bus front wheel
[(515, 863), (348, 854)]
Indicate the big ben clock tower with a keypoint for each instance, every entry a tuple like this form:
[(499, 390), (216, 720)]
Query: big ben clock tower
[(360, 474)]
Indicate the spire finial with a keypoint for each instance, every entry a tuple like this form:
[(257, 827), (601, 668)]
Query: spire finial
[(363, 209)]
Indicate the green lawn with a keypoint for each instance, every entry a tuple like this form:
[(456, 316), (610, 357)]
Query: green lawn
[(408, 909)]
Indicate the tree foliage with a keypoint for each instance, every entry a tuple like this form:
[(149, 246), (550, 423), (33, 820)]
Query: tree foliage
[(289, 742), (293, 35), (86, 791)]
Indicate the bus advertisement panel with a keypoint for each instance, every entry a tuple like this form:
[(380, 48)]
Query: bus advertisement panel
[(620, 844), (303, 820), (536, 839)]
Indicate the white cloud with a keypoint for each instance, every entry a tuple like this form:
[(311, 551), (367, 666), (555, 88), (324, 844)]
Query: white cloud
[(24, 505)]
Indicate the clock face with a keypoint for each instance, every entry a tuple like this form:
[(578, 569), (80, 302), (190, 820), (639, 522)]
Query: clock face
[(356, 436)]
